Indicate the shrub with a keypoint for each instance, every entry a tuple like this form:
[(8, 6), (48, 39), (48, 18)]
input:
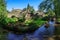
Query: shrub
[(12, 20), (46, 18), (32, 27), (20, 27), (39, 22), (21, 19), (27, 22)]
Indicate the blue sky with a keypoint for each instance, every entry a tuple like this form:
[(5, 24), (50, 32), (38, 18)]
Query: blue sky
[(20, 4)]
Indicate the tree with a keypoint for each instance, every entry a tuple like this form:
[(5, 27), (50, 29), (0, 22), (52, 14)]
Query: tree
[(30, 9), (57, 7), (51, 13), (28, 6), (24, 9), (3, 11), (50, 4), (46, 5)]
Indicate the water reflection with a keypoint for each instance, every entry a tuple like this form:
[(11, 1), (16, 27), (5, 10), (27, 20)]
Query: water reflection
[(52, 27), (12, 36)]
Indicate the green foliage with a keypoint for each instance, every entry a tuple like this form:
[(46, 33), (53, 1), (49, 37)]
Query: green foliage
[(11, 20), (57, 30), (14, 19), (50, 4), (24, 9), (29, 26), (46, 5), (27, 22), (30, 8), (46, 18), (57, 7), (39, 22), (59, 19), (35, 16), (32, 27), (3, 34), (3, 12), (21, 19), (50, 13)]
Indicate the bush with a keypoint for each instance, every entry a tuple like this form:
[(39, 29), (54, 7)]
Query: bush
[(12, 20), (57, 30), (27, 22), (21, 27), (21, 19), (39, 22), (46, 18), (32, 27), (58, 19)]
